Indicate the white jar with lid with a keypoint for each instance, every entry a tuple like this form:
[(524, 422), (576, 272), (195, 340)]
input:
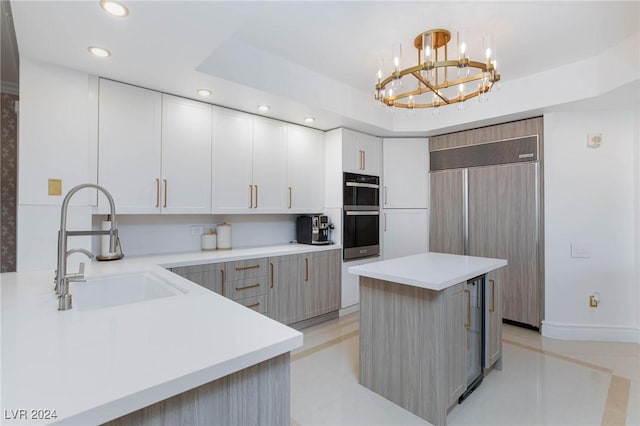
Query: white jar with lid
[(224, 236), (209, 240)]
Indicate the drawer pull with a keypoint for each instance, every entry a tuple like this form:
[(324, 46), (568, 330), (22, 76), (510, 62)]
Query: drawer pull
[(244, 268), (253, 305), (222, 275), (271, 264), (247, 287)]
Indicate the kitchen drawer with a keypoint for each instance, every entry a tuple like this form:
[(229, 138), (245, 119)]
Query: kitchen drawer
[(241, 289), (257, 303), (243, 269)]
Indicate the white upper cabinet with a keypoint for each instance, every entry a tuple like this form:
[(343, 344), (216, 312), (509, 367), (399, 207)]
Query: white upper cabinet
[(249, 163), (129, 147), (186, 156), (305, 158), (405, 174), (360, 153), (269, 165), (154, 151), (232, 161)]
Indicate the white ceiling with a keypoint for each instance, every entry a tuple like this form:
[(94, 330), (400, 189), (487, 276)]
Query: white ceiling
[(289, 54)]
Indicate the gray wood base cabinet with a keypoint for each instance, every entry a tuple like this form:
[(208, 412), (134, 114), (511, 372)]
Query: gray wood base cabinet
[(413, 343), (257, 395), (290, 289)]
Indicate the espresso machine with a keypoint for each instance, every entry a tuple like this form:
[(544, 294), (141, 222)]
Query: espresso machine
[(313, 230)]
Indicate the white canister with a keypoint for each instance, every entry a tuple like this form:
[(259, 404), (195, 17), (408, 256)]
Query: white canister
[(224, 236), (209, 240)]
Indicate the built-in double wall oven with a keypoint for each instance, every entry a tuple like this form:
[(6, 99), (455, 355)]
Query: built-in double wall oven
[(361, 224)]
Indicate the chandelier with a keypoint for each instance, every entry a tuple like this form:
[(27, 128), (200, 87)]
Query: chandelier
[(433, 87)]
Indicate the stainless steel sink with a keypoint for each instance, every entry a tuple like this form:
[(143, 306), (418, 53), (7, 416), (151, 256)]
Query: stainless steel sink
[(113, 290)]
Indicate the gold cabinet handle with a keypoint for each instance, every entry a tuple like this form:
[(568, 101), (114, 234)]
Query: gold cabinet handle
[(306, 269), (166, 184), (244, 268), (253, 305), (467, 323), (289, 197), (271, 265), (250, 196), (157, 192), (222, 274), (256, 205), (247, 287), (361, 152), (492, 283)]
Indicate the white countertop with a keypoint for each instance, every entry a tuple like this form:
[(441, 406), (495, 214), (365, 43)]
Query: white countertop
[(433, 271), (92, 366)]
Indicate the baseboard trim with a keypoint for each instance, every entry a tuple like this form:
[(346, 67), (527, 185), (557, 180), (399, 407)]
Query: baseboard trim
[(349, 309), (601, 333)]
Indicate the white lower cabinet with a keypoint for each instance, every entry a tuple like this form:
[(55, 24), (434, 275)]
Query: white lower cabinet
[(404, 232), (350, 285)]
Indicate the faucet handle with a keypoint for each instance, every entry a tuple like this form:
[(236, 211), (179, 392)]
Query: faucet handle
[(77, 277)]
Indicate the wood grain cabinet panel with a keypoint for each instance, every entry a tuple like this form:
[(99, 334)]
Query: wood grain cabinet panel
[(320, 273), (248, 287), (456, 342), (244, 269), (446, 230), (285, 290), (208, 276)]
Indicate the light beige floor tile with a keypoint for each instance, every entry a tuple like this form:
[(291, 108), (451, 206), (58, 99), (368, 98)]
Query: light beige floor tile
[(543, 382)]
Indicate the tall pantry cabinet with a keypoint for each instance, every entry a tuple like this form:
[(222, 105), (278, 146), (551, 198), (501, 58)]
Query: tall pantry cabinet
[(404, 197), (486, 200)]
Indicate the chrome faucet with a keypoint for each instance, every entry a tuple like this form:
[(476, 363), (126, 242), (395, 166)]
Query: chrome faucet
[(62, 279)]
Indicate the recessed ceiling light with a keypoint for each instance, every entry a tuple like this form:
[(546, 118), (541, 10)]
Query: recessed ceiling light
[(264, 108), (114, 8), (99, 52), (204, 92), (309, 119)]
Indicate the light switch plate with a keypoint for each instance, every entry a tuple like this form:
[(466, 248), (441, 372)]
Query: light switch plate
[(581, 250), (55, 187), (197, 230)]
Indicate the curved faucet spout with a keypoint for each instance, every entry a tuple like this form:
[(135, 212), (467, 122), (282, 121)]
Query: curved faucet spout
[(62, 278), (80, 250)]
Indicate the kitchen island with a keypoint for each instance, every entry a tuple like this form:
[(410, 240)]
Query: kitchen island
[(414, 315), (192, 358)]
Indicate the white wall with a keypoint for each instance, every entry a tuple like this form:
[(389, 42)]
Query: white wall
[(591, 197)]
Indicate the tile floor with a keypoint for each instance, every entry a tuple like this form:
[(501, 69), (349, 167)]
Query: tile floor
[(543, 382)]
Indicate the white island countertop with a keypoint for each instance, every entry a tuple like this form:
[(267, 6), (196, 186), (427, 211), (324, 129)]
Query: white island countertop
[(91, 366), (433, 271)]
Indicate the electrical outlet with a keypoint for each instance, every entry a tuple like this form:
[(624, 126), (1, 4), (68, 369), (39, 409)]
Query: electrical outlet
[(197, 230)]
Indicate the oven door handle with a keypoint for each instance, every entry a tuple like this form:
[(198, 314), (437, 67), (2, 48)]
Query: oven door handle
[(362, 185), (362, 213)]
